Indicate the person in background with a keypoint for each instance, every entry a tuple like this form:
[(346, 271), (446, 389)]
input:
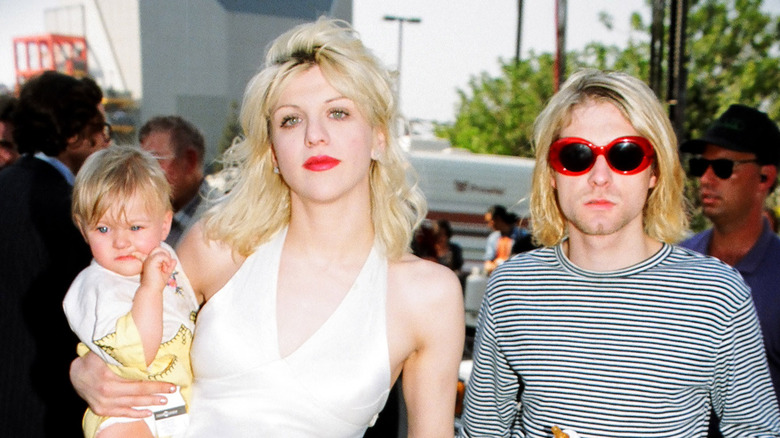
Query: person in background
[(448, 253), (180, 148), (58, 123), (609, 330), (498, 247), (525, 241), (736, 162), (424, 241), (314, 303), (8, 150)]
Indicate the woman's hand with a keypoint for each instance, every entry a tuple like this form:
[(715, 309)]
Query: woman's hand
[(110, 395)]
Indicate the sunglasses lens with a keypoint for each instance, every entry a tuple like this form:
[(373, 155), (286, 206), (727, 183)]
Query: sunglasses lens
[(722, 168), (576, 157), (626, 156), (697, 166)]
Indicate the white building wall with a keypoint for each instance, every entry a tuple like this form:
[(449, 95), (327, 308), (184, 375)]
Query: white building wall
[(183, 48), (185, 72), (197, 58), (249, 36)]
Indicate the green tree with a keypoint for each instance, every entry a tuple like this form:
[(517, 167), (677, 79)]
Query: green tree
[(497, 114), (733, 56)]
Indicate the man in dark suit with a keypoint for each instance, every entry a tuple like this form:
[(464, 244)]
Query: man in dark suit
[(58, 123)]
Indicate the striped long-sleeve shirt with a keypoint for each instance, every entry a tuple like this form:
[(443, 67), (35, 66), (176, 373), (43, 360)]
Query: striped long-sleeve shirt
[(640, 352)]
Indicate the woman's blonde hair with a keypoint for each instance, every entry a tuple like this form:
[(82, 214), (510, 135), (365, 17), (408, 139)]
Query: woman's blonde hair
[(665, 212), (113, 175), (257, 205)]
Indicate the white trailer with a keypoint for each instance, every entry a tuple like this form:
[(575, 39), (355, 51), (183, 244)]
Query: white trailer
[(460, 186)]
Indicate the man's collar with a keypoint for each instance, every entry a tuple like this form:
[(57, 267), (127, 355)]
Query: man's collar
[(188, 211), (753, 258), (59, 165)]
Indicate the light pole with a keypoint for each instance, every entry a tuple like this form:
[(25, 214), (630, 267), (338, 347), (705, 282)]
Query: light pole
[(401, 21)]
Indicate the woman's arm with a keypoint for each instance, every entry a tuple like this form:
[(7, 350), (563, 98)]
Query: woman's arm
[(110, 395), (434, 302), (208, 264)]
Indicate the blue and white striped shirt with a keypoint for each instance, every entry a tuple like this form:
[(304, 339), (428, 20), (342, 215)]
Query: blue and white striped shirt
[(644, 351)]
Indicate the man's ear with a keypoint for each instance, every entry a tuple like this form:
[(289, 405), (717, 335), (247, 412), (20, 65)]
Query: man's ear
[(191, 159), (768, 176), (74, 142), (653, 180)]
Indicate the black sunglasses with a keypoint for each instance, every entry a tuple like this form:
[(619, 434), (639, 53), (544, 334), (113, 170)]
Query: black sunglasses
[(722, 167)]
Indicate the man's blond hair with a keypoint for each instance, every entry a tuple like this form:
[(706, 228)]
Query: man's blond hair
[(665, 213)]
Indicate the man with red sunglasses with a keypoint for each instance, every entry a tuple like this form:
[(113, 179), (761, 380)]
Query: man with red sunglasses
[(609, 330), (736, 162)]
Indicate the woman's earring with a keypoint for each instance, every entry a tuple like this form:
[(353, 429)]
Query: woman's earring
[(276, 170)]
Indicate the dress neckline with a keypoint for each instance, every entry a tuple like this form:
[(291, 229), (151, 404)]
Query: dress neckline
[(366, 269)]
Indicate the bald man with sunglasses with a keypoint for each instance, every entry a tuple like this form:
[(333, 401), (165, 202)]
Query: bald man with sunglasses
[(736, 162), (609, 330)]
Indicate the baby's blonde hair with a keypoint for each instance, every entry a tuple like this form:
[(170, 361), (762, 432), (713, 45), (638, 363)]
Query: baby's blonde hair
[(113, 175)]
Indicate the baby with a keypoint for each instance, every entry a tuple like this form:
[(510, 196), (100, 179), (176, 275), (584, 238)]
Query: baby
[(132, 306)]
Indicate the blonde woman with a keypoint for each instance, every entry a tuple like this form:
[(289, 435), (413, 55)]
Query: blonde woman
[(313, 303)]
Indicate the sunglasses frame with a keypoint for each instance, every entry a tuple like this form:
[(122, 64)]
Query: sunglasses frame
[(716, 164), (554, 156)]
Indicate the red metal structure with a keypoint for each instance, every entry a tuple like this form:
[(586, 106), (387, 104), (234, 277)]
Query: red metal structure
[(36, 54)]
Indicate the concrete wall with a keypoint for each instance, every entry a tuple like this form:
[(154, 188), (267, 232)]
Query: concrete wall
[(197, 57), (184, 62)]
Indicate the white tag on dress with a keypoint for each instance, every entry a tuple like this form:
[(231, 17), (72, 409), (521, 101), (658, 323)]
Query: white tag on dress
[(172, 419)]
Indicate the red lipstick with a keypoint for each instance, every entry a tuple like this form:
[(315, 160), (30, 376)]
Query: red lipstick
[(321, 163)]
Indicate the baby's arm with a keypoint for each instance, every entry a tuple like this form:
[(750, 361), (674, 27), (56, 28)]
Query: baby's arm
[(147, 308)]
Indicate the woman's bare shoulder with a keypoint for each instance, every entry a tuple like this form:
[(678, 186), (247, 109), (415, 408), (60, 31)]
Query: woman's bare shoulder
[(423, 282), (425, 310), (209, 264)]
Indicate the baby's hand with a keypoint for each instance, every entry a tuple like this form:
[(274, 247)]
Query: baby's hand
[(158, 267)]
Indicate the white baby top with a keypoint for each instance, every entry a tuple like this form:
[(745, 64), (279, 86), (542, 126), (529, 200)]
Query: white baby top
[(333, 385), (98, 307)]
